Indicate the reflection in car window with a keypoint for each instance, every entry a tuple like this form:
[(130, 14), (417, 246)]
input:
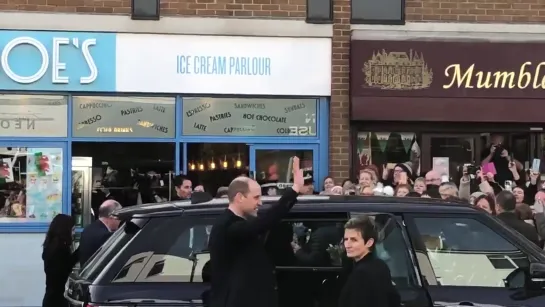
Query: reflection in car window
[(170, 249), (105, 253), (393, 250), (466, 252)]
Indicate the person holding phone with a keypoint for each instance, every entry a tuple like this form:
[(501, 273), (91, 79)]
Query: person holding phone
[(539, 215), (498, 153)]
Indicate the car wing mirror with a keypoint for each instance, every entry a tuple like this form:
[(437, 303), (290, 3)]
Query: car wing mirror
[(530, 278), (537, 270), (516, 279)]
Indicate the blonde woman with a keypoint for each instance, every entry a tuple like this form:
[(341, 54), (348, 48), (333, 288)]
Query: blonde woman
[(367, 178)]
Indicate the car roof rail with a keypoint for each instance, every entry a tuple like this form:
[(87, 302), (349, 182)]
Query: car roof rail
[(223, 201)]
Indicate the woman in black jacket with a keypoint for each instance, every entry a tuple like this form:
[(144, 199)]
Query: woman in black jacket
[(370, 282), (58, 259)]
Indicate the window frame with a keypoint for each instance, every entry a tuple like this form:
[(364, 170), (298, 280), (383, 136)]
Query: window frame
[(532, 252), (401, 21)]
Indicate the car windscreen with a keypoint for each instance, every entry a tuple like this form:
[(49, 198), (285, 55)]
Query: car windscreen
[(110, 248)]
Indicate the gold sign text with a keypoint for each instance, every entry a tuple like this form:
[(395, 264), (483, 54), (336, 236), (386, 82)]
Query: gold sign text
[(473, 78), (114, 130)]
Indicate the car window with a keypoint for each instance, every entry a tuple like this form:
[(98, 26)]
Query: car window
[(307, 240), (466, 252), (315, 241), (393, 249), (107, 251), (172, 249)]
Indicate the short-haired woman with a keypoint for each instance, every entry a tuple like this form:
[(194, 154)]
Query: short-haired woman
[(370, 283)]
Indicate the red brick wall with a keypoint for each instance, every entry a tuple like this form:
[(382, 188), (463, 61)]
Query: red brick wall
[(222, 8), (339, 125), (512, 11)]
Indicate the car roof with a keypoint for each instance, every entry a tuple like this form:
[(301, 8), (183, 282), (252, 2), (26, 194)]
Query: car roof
[(311, 203)]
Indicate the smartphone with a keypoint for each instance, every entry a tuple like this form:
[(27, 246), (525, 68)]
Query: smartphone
[(508, 185), (536, 163), (444, 178)]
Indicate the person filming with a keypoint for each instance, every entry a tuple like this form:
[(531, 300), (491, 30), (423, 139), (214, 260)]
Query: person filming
[(242, 274)]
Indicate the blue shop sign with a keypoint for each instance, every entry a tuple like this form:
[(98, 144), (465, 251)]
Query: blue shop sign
[(57, 61)]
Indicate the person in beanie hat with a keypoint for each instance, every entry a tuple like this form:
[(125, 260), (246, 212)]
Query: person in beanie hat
[(405, 167), (403, 174)]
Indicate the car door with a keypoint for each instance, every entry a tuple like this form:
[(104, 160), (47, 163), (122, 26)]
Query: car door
[(167, 264), (394, 248), (464, 258)]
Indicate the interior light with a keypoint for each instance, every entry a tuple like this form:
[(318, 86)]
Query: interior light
[(238, 163), (201, 167), (213, 165)]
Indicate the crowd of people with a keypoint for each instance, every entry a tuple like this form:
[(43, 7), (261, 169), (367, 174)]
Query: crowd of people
[(505, 189), (238, 254)]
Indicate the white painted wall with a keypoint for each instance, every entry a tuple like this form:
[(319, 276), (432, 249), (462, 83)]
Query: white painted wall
[(22, 278)]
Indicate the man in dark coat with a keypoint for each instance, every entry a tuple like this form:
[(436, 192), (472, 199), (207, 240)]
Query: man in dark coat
[(96, 233), (370, 283), (505, 208), (242, 274)]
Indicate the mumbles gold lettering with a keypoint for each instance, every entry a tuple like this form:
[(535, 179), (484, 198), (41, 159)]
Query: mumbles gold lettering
[(472, 78)]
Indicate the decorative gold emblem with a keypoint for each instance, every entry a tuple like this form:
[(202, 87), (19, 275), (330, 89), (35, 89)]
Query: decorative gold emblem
[(397, 71)]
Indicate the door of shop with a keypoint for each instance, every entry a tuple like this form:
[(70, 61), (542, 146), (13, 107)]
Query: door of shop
[(272, 162), (449, 152)]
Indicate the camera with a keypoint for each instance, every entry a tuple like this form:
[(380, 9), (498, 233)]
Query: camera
[(471, 169)]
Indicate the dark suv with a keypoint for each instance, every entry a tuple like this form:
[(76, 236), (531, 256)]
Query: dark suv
[(440, 254)]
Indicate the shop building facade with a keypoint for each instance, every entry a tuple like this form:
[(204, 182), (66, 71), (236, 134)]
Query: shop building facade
[(437, 97), (83, 115)]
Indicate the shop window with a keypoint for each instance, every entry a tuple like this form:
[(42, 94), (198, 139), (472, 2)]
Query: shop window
[(146, 117), (274, 166), (385, 149), (33, 116), (131, 173), (30, 183), (249, 117), (214, 165)]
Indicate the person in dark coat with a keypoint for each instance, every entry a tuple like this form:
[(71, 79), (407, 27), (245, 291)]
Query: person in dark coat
[(242, 274), (370, 282), (58, 259), (506, 205), (96, 233)]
